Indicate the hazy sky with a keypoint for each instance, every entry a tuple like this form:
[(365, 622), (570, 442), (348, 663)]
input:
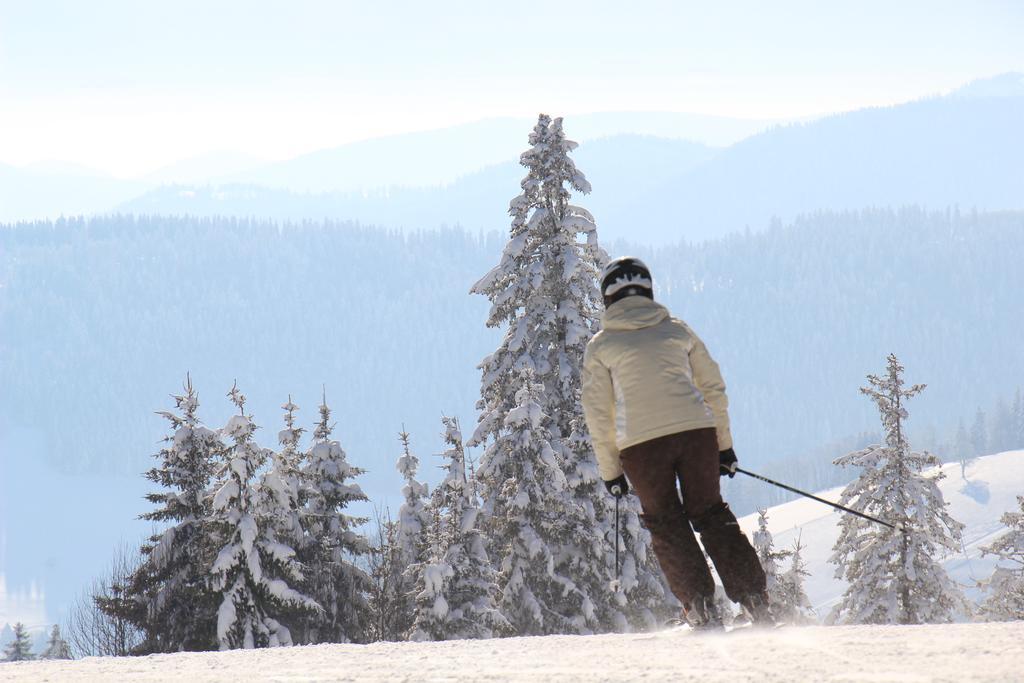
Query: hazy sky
[(128, 86)]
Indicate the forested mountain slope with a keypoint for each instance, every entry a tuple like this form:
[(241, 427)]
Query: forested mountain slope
[(101, 320)]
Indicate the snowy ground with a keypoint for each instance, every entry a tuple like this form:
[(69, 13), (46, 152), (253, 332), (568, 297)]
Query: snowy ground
[(960, 653), (991, 488)]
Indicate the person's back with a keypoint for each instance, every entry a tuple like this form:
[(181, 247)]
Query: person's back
[(664, 380), (657, 411)]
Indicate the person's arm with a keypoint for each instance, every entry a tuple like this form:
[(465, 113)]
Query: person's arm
[(708, 378), (599, 408)]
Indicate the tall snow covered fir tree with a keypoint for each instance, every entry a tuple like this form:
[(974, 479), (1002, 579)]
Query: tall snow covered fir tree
[(456, 585), (544, 293), (1005, 599), (254, 572), (894, 575), (333, 545), (168, 598)]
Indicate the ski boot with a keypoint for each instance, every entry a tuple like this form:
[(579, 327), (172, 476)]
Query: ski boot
[(702, 615), (758, 611)]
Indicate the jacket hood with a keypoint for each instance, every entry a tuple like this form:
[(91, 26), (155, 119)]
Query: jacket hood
[(633, 313)]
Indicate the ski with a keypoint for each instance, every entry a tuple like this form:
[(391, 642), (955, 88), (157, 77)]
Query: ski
[(682, 625)]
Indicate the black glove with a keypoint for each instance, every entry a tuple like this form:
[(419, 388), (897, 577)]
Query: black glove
[(618, 487), (727, 463)]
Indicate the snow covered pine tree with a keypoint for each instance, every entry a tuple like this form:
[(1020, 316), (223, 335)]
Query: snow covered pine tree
[(19, 649), (254, 572), (56, 646), (457, 584), (544, 292), (1006, 585), (764, 544), (332, 546), (278, 500), (894, 575), (797, 608), (789, 601), (168, 597), (532, 519), (411, 540)]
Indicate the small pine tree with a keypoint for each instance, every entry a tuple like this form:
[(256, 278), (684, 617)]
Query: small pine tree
[(893, 574), (412, 549), (19, 649), (1017, 433), (979, 434), (962, 448), (770, 558), (1003, 428), (1018, 421), (1005, 599), (280, 518), (56, 646), (334, 546), (457, 585), (254, 572), (795, 606), (384, 569), (282, 496)]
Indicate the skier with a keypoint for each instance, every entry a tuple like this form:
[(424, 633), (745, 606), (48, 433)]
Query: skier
[(656, 407)]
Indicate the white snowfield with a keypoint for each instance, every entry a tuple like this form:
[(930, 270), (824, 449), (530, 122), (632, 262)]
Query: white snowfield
[(957, 653)]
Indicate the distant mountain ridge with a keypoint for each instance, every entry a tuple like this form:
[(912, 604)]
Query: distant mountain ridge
[(430, 158), (440, 157), (650, 184), (957, 150), (1004, 85), (477, 201)]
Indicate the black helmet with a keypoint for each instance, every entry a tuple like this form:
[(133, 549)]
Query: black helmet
[(625, 276)]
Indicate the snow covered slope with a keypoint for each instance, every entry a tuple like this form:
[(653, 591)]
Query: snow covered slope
[(991, 488), (958, 652)]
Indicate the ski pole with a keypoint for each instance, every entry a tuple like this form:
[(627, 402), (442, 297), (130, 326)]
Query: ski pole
[(837, 506), (616, 583)]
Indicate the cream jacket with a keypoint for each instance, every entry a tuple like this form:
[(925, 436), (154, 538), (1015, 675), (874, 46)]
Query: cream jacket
[(645, 375)]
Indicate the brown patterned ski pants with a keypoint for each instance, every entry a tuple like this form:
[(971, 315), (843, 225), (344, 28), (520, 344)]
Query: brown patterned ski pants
[(691, 457)]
